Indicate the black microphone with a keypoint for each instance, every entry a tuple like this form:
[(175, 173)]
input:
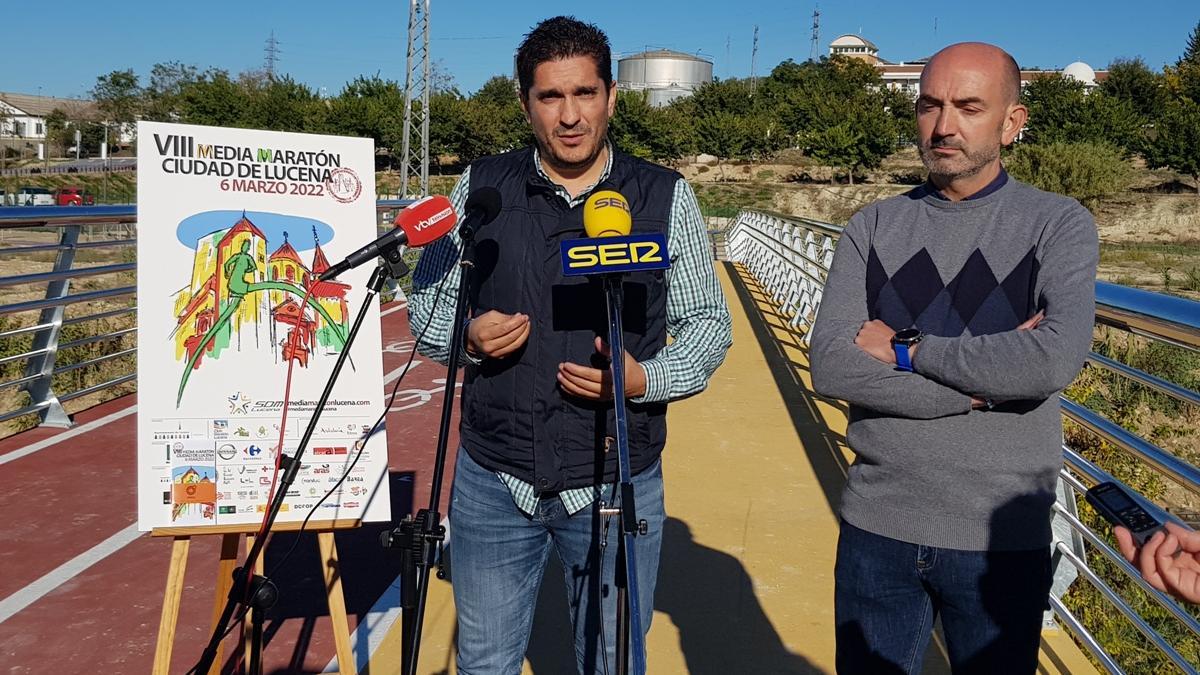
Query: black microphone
[(482, 207)]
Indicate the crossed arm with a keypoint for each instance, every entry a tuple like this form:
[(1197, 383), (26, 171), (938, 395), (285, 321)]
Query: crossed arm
[(852, 358)]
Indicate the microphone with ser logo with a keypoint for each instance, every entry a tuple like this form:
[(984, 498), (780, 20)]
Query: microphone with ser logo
[(610, 247)]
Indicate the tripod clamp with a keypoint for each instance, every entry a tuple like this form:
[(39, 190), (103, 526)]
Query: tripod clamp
[(422, 537), (639, 526)]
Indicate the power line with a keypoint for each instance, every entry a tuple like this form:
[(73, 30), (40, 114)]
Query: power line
[(754, 62), (272, 50), (816, 33), (727, 59), (414, 151)]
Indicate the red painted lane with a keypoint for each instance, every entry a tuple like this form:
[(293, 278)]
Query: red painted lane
[(26, 438), (107, 617), (65, 499)]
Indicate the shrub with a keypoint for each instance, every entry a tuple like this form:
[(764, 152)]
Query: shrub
[(1088, 172)]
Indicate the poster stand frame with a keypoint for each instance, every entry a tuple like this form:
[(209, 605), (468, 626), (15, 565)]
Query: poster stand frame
[(230, 540)]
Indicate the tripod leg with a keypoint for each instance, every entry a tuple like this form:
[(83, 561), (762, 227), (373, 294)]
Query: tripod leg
[(408, 592), (256, 643), (621, 581)]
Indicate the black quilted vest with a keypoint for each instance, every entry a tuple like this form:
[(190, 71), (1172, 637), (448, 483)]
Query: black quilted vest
[(515, 418)]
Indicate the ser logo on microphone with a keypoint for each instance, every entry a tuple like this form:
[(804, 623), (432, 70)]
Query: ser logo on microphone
[(614, 202), (609, 255)]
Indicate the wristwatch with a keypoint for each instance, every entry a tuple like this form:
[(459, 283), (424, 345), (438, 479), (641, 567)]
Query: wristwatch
[(902, 342)]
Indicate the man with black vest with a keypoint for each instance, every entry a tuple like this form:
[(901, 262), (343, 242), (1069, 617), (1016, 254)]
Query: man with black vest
[(537, 421)]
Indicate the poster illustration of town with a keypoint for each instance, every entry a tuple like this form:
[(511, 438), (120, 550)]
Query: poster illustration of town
[(235, 227)]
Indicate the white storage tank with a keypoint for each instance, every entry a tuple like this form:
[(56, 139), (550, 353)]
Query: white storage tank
[(665, 74)]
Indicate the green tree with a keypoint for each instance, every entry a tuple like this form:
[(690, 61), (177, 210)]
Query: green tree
[(834, 146), (213, 99), (851, 133), (1131, 80), (499, 91), (498, 99), (441, 80), (901, 107), (672, 133), (1187, 69), (1191, 54), (448, 128), (118, 96), (369, 107), (734, 122), (1062, 110), (58, 135), (729, 96), (1088, 172), (282, 104), (1175, 140), (163, 96), (630, 128), (798, 93), (722, 134)]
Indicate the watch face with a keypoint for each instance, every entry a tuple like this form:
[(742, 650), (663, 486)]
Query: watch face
[(907, 336)]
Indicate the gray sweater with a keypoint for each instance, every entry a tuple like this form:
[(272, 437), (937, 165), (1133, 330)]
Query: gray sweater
[(928, 469)]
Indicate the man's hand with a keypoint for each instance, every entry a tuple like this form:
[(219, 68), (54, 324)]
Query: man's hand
[(875, 338), (596, 384), (495, 334), (1033, 321), (1170, 562)]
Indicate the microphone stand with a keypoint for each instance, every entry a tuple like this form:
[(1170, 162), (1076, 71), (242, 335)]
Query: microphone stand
[(419, 539), (256, 591), (630, 638)]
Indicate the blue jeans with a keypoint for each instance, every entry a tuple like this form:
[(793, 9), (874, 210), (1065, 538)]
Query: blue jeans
[(498, 555), (888, 593)]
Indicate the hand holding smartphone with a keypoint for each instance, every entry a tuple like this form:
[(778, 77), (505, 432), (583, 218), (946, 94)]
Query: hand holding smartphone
[(1118, 508)]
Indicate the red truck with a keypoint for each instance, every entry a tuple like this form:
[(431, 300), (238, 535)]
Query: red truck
[(73, 196)]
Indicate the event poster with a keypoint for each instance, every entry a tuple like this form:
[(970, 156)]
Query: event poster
[(234, 228)]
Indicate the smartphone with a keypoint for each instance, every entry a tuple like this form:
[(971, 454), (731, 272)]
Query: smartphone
[(1119, 508)]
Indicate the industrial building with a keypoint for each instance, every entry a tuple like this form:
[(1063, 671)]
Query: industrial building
[(664, 74)]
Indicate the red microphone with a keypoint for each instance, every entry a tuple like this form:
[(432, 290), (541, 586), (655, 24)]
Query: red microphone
[(420, 223)]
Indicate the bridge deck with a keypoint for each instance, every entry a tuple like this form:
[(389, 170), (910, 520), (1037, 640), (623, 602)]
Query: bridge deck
[(753, 470)]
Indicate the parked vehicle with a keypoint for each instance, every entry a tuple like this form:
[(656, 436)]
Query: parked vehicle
[(73, 196), (33, 196)]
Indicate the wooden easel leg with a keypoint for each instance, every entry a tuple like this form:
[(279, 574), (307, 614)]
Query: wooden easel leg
[(229, 554), (171, 602), (337, 603)]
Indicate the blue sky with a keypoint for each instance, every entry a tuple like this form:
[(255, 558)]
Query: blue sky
[(272, 225), (325, 44)]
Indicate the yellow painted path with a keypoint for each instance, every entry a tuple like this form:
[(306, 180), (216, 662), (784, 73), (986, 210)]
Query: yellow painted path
[(752, 470)]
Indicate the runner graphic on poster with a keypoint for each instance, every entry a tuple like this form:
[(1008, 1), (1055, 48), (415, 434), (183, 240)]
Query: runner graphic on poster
[(234, 228)]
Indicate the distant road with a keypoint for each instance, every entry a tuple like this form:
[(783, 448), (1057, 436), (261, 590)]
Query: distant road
[(92, 165)]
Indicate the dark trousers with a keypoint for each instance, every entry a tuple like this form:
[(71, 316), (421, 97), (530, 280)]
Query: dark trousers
[(889, 592)]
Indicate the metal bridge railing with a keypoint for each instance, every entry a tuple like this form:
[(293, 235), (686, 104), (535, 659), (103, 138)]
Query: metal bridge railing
[(105, 227), (790, 258)]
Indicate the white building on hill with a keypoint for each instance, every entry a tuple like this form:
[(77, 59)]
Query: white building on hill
[(906, 75)]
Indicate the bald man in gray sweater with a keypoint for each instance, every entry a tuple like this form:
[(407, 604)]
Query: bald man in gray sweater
[(952, 318)]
